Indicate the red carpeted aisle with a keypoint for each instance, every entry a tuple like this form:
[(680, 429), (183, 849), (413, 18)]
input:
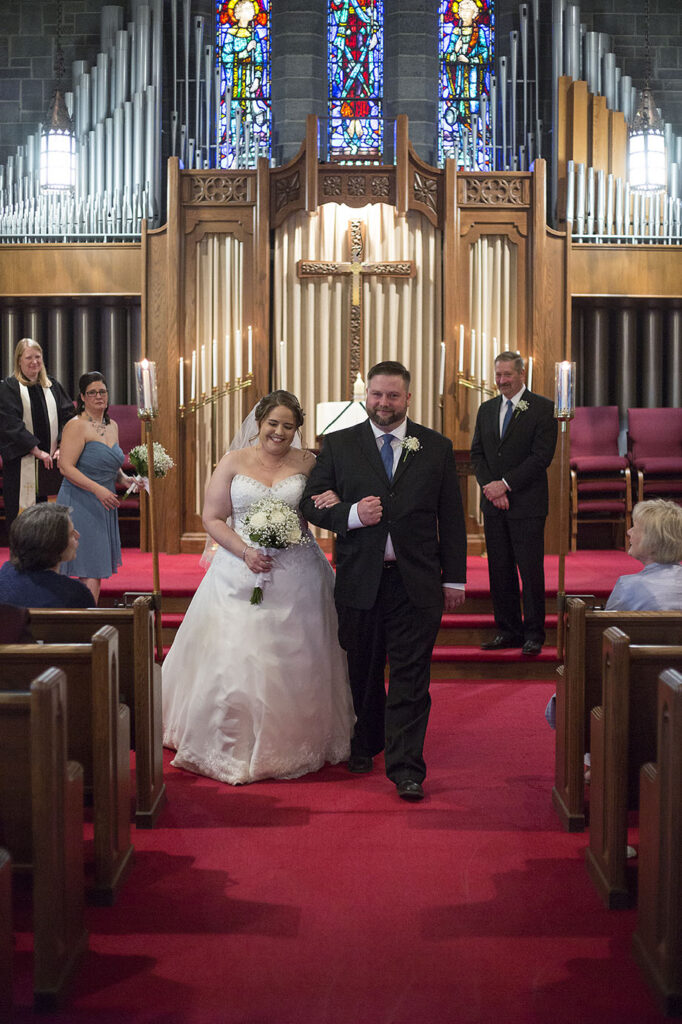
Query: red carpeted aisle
[(326, 900)]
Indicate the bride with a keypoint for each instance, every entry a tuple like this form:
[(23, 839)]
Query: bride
[(259, 691)]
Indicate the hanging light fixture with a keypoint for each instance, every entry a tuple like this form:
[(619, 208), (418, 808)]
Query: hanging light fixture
[(58, 141), (646, 143)]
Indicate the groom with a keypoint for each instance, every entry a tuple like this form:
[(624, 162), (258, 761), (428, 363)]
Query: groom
[(388, 489)]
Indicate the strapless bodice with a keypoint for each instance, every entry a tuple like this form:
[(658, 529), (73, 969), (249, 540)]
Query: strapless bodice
[(245, 491)]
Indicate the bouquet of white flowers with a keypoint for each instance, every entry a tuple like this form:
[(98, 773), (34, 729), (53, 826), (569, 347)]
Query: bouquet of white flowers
[(271, 523), (162, 460)]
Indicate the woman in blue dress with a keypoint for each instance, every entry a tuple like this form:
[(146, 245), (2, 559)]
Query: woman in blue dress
[(90, 462)]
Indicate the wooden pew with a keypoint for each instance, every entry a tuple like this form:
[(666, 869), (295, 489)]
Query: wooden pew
[(6, 936), (139, 683), (623, 739), (579, 690), (657, 942), (98, 737), (41, 811)]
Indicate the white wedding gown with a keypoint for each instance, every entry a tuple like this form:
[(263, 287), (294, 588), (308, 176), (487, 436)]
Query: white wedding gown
[(259, 691)]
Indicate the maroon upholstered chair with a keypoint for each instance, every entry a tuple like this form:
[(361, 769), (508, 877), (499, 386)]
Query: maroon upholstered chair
[(601, 489), (129, 435), (655, 452)]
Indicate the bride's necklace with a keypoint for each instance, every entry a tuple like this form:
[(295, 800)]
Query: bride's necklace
[(101, 427)]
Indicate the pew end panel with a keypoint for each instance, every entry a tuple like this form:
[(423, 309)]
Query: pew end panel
[(33, 740), (98, 737), (139, 681), (579, 689), (657, 942), (623, 739)]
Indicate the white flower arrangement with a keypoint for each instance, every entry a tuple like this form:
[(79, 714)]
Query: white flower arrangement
[(162, 460), (410, 445), (521, 406), (271, 523)]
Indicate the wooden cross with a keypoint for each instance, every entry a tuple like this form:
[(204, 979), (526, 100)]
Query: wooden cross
[(356, 269)]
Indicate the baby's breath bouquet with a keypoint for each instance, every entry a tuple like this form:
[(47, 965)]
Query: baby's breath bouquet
[(271, 523), (162, 460)]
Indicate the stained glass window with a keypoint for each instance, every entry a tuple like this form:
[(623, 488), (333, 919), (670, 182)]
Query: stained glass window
[(244, 62), (466, 55), (355, 61)]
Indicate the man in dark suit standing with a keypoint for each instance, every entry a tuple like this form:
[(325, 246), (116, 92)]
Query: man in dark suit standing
[(388, 489), (513, 445)]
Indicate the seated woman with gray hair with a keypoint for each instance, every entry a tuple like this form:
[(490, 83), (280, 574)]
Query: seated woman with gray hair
[(40, 539), (656, 541)]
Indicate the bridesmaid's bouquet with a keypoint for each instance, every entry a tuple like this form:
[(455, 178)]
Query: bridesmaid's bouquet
[(139, 457), (272, 524)]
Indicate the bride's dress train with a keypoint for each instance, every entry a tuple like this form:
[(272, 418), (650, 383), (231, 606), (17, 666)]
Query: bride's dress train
[(255, 692)]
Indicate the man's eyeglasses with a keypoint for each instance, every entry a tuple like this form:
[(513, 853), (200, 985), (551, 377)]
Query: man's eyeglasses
[(96, 394)]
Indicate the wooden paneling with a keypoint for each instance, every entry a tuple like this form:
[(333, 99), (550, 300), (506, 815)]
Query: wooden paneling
[(618, 144), (599, 133), (631, 270), (74, 268)]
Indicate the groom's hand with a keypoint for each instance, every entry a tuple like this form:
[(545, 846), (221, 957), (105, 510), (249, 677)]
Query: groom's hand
[(370, 510)]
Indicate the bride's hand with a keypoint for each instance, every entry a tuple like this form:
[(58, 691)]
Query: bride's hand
[(325, 500), (256, 561)]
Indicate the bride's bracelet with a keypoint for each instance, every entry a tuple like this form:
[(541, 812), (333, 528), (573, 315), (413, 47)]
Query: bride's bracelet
[(244, 554)]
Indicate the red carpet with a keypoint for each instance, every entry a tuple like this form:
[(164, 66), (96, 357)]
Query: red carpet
[(328, 901)]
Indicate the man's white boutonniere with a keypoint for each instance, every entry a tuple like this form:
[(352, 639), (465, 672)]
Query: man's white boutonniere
[(521, 406), (409, 445)]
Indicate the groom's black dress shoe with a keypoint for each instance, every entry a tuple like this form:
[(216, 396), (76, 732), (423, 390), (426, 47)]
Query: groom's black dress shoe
[(408, 789), (359, 764), (499, 642), (531, 647)]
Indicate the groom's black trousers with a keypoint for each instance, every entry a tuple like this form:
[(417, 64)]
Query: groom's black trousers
[(397, 629)]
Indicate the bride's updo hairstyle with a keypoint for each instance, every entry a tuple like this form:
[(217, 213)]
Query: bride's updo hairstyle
[(275, 398)]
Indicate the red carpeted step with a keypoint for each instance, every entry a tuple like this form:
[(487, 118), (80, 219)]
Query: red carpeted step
[(513, 655), (171, 621), (462, 620)]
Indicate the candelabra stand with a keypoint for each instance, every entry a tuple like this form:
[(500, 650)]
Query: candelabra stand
[(475, 385), (215, 395), (147, 418), (564, 410)]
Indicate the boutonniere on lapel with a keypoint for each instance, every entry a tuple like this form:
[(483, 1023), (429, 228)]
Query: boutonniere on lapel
[(521, 406), (410, 445)]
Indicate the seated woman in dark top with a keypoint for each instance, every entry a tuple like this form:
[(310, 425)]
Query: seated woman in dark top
[(40, 539)]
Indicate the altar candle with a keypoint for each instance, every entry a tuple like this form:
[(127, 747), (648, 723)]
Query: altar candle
[(282, 376), (250, 350), (238, 354), (461, 348), (227, 358), (484, 356), (181, 391), (193, 377), (203, 369), (146, 385), (529, 382), (214, 364), (441, 377), (472, 365)]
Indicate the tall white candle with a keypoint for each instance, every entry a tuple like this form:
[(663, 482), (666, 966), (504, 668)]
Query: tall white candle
[(203, 369), (146, 386), (472, 366), (181, 389), (484, 356), (214, 364), (529, 381), (282, 373), (461, 348), (250, 351), (193, 377), (227, 358), (238, 354), (441, 375)]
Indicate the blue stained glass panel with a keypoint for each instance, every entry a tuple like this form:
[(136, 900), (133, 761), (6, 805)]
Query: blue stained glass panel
[(466, 52), (245, 123), (355, 51)]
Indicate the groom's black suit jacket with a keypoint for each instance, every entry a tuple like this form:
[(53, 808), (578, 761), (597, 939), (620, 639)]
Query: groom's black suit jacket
[(422, 509), (521, 457)]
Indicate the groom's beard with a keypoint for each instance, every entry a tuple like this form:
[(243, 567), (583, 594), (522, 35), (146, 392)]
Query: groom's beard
[(387, 418)]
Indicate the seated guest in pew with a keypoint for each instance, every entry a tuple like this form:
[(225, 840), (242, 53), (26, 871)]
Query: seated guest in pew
[(656, 541), (40, 539)]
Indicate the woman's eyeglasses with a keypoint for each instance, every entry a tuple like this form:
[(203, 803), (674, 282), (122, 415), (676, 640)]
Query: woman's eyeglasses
[(96, 394)]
